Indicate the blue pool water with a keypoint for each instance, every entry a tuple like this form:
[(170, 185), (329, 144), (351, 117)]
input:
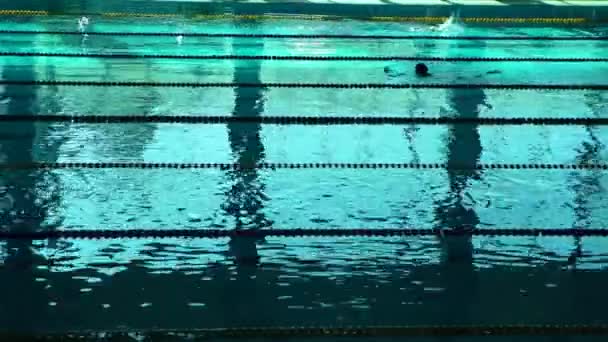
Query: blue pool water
[(104, 284)]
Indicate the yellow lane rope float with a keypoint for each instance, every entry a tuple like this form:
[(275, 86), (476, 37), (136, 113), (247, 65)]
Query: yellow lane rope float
[(312, 17), (22, 13)]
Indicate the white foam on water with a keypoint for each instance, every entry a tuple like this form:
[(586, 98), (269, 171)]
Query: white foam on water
[(82, 24), (452, 26)]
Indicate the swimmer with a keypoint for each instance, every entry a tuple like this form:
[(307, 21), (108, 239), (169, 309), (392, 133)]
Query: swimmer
[(82, 27), (391, 73), (422, 70), (179, 39), (452, 25), (82, 24), (446, 24)]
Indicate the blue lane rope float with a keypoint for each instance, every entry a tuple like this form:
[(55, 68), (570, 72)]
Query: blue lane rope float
[(304, 36), (300, 58), (204, 233), (275, 166), (301, 120), (516, 86)]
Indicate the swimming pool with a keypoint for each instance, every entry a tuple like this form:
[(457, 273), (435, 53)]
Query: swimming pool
[(185, 283)]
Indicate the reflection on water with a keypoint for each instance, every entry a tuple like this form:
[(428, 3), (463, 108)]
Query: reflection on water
[(463, 152), (245, 198), (193, 283), (26, 198), (454, 213), (587, 187), (463, 149)]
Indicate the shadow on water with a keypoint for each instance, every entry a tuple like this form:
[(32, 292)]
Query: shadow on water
[(25, 200), (245, 196), (129, 141), (126, 141), (246, 293), (463, 149), (587, 185)]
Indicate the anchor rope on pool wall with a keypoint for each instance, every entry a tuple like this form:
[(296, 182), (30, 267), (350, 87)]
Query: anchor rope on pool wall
[(521, 86), (302, 120), (204, 233), (300, 58), (276, 166), (305, 36)]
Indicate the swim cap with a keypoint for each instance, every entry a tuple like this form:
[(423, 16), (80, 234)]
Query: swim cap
[(422, 69)]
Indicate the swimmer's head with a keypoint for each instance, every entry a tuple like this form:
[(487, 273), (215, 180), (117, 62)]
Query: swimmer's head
[(422, 69)]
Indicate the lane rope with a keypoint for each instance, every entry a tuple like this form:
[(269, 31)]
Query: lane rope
[(204, 233), (522, 86), (306, 36), (329, 331), (275, 166), (301, 58), (477, 20), (317, 17), (23, 13), (302, 120)]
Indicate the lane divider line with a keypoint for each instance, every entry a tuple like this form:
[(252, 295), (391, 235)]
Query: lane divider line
[(302, 58), (276, 166), (304, 120), (209, 233), (424, 19), (359, 86), (304, 36)]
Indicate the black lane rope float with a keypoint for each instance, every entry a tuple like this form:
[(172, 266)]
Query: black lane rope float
[(300, 58), (304, 36), (329, 331), (301, 120), (275, 166), (296, 232), (323, 331), (517, 86)]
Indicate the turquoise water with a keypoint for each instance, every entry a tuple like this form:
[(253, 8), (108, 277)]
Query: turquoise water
[(186, 283)]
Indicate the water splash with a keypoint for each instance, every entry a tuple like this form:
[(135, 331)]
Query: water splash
[(82, 27), (7, 202), (179, 39), (82, 24), (452, 26)]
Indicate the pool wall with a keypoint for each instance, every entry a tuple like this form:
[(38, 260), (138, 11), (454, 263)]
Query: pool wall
[(595, 11)]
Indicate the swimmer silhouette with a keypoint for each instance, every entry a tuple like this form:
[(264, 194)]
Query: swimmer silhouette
[(422, 70), (82, 24)]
